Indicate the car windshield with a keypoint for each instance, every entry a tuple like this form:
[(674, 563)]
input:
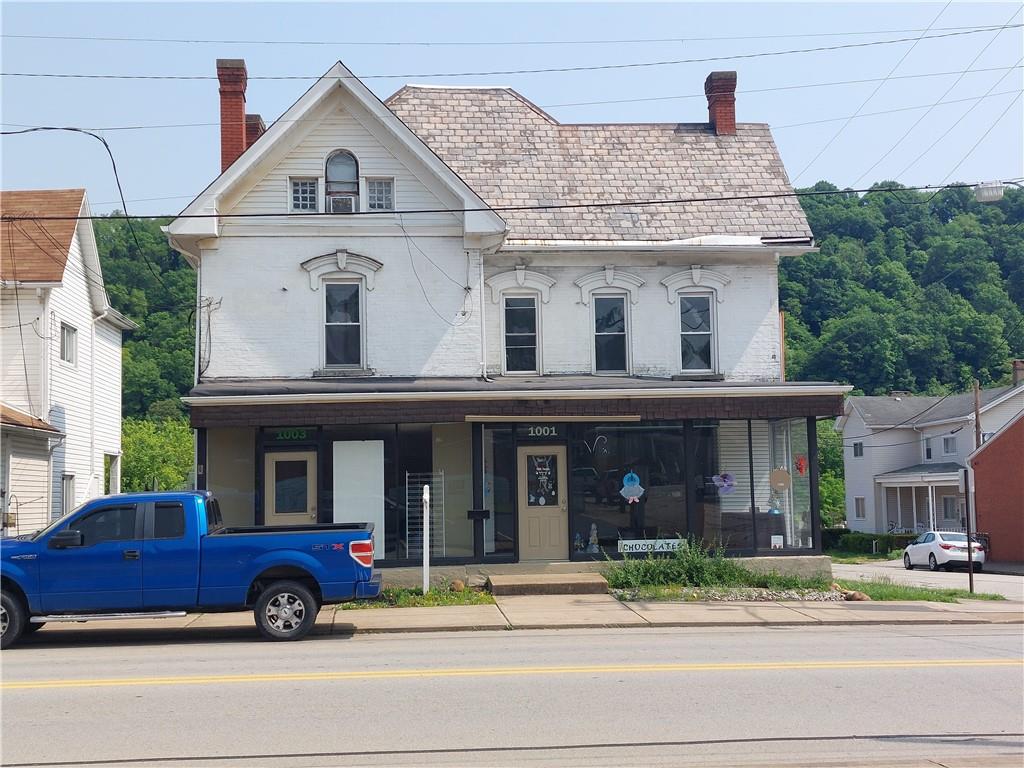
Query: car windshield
[(55, 524)]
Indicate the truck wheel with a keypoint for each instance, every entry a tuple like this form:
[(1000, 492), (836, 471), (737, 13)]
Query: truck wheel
[(13, 619), (285, 610)]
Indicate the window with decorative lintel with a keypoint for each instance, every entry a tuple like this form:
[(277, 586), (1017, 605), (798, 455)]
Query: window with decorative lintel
[(697, 291)]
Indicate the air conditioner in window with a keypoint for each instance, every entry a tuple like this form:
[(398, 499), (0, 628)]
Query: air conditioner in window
[(342, 204)]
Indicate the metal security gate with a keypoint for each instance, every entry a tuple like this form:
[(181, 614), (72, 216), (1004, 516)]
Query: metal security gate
[(414, 482)]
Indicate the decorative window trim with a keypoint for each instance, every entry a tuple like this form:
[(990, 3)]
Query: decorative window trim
[(520, 278), (521, 294), (360, 283), (609, 277), (712, 296), (341, 264), (696, 277)]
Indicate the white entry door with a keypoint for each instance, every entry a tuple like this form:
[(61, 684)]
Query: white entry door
[(359, 486), (289, 484)]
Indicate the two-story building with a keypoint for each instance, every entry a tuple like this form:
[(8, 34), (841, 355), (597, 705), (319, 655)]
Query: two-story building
[(60, 419), (445, 289), (903, 455)]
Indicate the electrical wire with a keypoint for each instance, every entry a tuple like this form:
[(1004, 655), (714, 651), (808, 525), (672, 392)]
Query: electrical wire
[(540, 70), (499, 208), (907, 442), (488, 43), (984, 135), (937, 103), (426, 297), (871, 95), (21, 324), (905, 421)]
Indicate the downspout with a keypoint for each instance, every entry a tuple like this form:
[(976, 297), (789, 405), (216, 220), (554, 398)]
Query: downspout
[(483, 324)]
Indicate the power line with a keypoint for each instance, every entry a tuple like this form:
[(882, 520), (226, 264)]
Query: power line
[(21, 323), (937, 103), (500, 208), (468, 43), (949, 130), (541, 70), (909, 442), (871, 95), (900, 424), (984, 136)]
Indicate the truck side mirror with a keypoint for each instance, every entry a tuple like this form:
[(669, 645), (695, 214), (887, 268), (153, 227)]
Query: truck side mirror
[(66, 538)]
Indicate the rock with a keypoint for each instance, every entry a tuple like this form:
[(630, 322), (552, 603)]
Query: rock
[(458, 585), (836, 587), (858, 596)]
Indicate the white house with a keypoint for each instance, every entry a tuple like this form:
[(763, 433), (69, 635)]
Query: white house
[(60, 423), (385, 302), (903, 455)]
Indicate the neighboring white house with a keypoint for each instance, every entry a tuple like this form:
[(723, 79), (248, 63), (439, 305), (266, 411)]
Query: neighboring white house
[(60, 423), (375, 316), (903, 455)]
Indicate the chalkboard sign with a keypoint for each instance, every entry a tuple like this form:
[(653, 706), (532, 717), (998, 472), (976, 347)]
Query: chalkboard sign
[(540, 431)]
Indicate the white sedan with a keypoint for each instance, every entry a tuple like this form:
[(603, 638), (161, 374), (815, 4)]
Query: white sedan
[(942, 549)]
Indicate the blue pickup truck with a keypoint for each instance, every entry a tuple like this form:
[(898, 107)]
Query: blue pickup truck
[(168, 554)]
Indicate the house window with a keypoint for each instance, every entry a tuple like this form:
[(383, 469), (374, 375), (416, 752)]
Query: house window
[(68, 344), (610, 334), (380, 194), (928, 449), (951, 509), (985, 436), (521, 334), (343, 329), (342, 183), (304, 195), (858, 508), (67, 493), (858, 450), (948, 446), (696, 333)]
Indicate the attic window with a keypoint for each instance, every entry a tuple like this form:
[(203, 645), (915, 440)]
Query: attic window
[(303, 194), (342, 182), (380, 194)]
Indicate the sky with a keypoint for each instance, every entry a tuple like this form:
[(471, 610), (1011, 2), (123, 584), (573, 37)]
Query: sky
[(975, 137)]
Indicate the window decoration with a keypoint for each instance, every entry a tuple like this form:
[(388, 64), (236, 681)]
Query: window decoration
[(696, 277), (520, 278), (341, 264), (609, 277)]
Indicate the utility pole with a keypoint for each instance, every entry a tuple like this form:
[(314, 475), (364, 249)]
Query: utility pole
[(967, 486)]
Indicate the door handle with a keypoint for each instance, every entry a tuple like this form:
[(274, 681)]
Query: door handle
[(130, 554)]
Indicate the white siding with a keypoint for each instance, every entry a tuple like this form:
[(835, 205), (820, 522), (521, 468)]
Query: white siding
[(998, 416), (884, 451), (748, 330), (343, 124), (22, 349), (26, 476), (107, 414), (71, 386)]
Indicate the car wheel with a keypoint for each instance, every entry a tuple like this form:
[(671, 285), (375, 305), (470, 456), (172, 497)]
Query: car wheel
[(13, 619), (933, 564), (978, 567), (906, 562), (285, 610)]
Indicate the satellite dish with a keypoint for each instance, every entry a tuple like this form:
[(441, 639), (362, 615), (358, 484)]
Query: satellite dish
[(780, 480)]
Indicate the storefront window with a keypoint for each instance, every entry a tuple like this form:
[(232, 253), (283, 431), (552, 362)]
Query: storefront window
[(722, 515), (627, 482), (499, 491), (782, 485)]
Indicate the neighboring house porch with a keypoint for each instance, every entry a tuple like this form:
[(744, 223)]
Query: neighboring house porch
[(922, 497)]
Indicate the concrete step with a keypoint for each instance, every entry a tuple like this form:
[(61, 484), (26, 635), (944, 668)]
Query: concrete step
[(548, 584)]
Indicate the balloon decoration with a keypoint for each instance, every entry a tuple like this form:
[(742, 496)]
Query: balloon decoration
[(725, 483)]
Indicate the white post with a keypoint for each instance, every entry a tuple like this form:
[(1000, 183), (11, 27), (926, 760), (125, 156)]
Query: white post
[(913, 499), (899, 506), (426, 539), (931, 507)]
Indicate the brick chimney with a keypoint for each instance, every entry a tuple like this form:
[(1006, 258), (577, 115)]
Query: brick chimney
[(1018, 372), (233, 79), (254, 128), (720, 88)]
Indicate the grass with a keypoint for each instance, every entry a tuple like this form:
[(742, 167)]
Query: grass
[(856, 558), (886, 589), (399, 597)]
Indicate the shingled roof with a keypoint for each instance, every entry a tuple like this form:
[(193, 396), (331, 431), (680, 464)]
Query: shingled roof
[(37, 251), (513, 153), (913, 411)]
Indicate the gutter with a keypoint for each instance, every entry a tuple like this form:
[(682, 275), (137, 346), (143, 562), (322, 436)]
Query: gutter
[(550, 394)]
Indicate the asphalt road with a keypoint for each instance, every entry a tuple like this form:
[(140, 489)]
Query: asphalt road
[(1010, 587), (881, 695)]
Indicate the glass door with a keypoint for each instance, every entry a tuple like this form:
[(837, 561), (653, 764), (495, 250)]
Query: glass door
[(289, 488)]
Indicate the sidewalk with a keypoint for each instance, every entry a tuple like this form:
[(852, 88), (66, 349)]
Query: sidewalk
[(573, 612)]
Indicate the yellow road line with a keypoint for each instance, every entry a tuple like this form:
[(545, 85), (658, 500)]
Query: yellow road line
[(391, 674)]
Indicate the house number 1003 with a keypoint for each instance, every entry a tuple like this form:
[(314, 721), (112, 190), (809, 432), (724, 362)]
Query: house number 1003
[(542, 431)]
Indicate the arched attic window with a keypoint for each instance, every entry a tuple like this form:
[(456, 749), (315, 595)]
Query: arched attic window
[(342, 186)]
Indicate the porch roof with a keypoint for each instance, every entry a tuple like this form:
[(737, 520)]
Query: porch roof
[(922, 474), (13, 418)]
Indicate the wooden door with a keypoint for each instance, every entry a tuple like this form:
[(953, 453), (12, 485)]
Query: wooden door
[(543, 503), (289, 488)]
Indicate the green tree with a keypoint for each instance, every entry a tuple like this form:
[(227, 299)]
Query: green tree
[(832, 494), (157, 454)]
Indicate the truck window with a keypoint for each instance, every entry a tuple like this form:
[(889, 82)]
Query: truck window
[(107, 524), (169, 520), (214, 522)]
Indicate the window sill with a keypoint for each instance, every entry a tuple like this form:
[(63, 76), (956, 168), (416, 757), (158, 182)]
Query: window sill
[(342, 373), (698, 377)]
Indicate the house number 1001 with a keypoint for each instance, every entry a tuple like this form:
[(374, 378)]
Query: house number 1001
[(542, 431)]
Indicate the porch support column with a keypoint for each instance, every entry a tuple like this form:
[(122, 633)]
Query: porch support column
[(899, 506), (931, 507), (913, 498)]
